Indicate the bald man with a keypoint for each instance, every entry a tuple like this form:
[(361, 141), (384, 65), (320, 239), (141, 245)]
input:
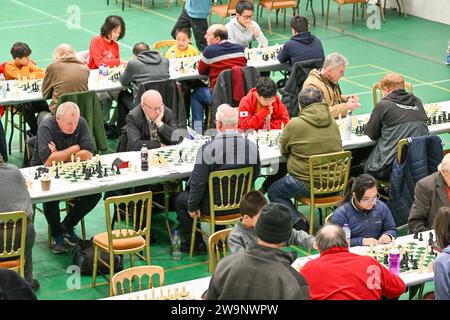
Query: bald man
[(219, 55), (58, 138), (151, 123), (229, 150)]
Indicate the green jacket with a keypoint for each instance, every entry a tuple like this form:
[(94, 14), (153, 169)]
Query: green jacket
[(313, 132), (91, 110)]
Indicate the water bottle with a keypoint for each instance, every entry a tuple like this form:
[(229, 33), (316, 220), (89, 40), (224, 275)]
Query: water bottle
[(3, 85), (176, 246), (144, 158), (348, 233), (267, 122), (448, 52), (172, 63), (394, 261), (347, 134)]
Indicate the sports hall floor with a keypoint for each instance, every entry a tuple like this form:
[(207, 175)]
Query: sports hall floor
[(414, 47)]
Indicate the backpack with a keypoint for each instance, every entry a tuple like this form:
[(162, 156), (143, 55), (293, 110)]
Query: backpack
[(83, 257)]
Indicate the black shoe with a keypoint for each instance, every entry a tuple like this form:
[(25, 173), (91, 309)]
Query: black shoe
[(199, 248), (301, 225), (34, 284)]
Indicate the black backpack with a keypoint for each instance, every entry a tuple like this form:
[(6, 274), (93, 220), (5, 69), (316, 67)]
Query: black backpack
[(83, 257)]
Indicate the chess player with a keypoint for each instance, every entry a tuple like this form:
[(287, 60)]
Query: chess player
[(242, 29), (431, 193), (441, 266), (22, 67), (146, 65), (229, 150), (313, 132), (370, 220), (15, 197), (340, 275), (151, 123), (398, 115), (326, 80), (243, 234), (219, 55), (262, 271), (59, 138), (66, 74), (183, 47), (302, 46)]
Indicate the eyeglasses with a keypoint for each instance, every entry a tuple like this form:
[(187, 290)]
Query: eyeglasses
[(153, 108), (247, 17), (371, 200)]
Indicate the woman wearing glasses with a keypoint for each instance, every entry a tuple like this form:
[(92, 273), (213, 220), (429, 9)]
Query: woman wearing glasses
[(370, 220)]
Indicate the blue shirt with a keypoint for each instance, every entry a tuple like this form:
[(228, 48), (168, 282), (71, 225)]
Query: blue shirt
[(441, 268), (198, 9), (371, 224)]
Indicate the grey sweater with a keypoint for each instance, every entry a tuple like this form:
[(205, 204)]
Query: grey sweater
[(240, 237), (14, 195)]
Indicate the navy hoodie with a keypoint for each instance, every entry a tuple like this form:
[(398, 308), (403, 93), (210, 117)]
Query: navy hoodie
[(301, 47)]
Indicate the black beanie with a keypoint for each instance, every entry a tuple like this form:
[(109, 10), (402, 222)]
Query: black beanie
[(274, 224)]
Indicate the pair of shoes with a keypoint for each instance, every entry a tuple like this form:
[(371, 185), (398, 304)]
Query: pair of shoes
[(34, 284), (71, 238), (59, 245), (199, 248)]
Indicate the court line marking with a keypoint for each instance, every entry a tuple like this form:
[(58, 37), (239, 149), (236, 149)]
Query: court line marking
[(28, 25), (300, 250), (366, 75), (355, 83), (415, 86)]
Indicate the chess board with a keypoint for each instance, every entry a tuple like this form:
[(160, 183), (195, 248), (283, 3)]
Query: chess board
[(162, 294), (183, 154), (266, 138), (186, 65), (24, 87), (263, 54)]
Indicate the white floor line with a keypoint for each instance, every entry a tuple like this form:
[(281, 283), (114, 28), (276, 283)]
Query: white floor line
[(28, 25)]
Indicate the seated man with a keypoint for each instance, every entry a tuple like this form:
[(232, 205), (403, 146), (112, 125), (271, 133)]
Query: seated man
[(15, 197), (326, 80), (397, 116), (58, 138), (431, 194), (340, 275), (219, 55), (262, 271), (243, 233), (22, 67), (66, 74), (302, 46), (3, 149), (229, 150), (151, 123), (146, 65), (242, 29), (261, 108), (313, 132)]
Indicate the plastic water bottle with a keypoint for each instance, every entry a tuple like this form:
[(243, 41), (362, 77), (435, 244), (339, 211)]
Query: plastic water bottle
[(176, 246), (448, 52), (267, 122), (347, 134), (394, 261), (3, 85), (348, 233), (144, 158), (172, 64)]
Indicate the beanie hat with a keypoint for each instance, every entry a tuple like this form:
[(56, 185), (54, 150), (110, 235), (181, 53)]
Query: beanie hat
[(274, 224)]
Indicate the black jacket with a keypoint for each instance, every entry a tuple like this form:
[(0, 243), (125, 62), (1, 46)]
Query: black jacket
[(138, 132), (397, 116), (258, 273), (214, 156), (14, 287)]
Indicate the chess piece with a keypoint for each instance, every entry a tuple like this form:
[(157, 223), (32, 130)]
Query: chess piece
[(117, 170), (57, 173), (36, 175), (7, 87), (105, 174), (416, 235), (420, 237)]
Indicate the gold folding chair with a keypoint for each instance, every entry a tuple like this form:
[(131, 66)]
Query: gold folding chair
[(277, 5), (376, 87), (9, 222), (132, 235), (126, 278), (328, 174), (163, 45), (242, 180), (341, 4), (217, 247), (224, 10)]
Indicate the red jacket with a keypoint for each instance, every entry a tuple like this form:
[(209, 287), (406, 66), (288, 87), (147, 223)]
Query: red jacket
[(340, 275), (102, 51), (250, 119)]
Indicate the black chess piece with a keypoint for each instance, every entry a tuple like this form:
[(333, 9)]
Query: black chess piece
[(420, 237), (386, 259), (86, 175), (105, 174), (406, 266), (248, 55), (181, 66), (439, 120), (416, 235), (57, 173), (7, 86), (195, 65), (415, 267), (180, 153), (100, 174), (74, 175), (117, 170), (36, 175), (434, 120), (429, 121)]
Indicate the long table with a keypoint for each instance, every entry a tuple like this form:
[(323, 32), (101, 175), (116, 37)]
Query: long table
[(197, 287)]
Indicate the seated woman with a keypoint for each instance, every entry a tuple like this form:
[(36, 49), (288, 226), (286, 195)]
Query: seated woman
[(370, 220), (441, 266)]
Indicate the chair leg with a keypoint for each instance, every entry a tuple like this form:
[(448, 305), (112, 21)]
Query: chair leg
[(131, 260), (276, 16), (328, 13), (268, 24), (311, 219), (314, 15), (194, 229), (94, 267), (111, 272), (341, 19), (284, 17), (322, 9), (83, 229)]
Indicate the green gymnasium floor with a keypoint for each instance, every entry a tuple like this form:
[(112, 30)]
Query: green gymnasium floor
[(413, 47)]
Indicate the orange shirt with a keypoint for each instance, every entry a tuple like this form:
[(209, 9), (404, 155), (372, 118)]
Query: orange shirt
[(12, 72), (448, 193)]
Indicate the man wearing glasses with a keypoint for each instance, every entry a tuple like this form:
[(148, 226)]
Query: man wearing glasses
[(151, 124), (242, 30), (370, 220)]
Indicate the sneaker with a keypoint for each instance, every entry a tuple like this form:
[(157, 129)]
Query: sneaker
[(58, 245), (34, 284), (71, 238)]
